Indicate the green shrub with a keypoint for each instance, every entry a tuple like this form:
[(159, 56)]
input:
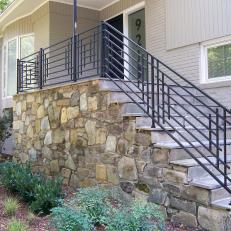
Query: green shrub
[(109, 207), (10, 206), (42, 194), (15, 225), (68, 219)]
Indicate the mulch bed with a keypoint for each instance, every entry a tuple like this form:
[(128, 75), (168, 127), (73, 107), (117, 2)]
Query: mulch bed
[(42, 223)]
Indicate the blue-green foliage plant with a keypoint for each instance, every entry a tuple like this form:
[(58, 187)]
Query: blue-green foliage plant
[(109, 207), (42, 194)]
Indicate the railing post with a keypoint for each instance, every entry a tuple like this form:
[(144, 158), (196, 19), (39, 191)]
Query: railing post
[(18, 76), (103, 46), (40, 68), (153, 92), (217, 137), (225, 148), (74, 58), (210, 132)]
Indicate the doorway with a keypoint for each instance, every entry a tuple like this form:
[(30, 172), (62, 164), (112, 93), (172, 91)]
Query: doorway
[(116, 59)]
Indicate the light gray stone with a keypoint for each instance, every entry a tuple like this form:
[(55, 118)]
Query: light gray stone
[(185, 218), (47, 153), (45, 124), (211, 219), (32, 155), (90, 127), (48, 138), (127, 169), (158, 196), (111, 144), (18, 108), (184, 205), (75, 98), (83, 102), (70, 163)]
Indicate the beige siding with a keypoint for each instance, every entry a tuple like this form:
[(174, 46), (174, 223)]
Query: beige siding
[(61, 20), (193, 21), (37, 23), (185, 60), (117, 8)]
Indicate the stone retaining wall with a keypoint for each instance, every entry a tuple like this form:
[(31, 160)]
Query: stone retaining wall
[(74, 131)]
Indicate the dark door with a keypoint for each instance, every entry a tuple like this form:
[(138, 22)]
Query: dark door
[(116, 62)]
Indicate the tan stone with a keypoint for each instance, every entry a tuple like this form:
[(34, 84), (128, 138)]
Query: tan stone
[(18, 108), (30, 98), (41, 112), (74, 181), (45, 124), (58, 136), (54, 165), (174, 176), (37, 126), (92, 103), (101, 136), (64, 116), (72, 112), (30, 132), (112, 174), (101, 173), (80, 123), (63, 102), (66, 173), (127, 169)]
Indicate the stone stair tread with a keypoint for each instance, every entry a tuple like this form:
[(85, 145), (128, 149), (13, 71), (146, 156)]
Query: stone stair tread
[(208, 182), (148, 128), (137, 114), (192, 162), (174, 145), (222, 204)]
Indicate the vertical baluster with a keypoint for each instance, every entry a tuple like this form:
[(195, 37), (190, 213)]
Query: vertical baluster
[(210, 132), (169, 117), (153, 92), (78, 55), (97, 50), (94, 52), (142, 75), (225, 149), (163, 98), (90, 50), (103, 46), (158, 91), (41, 52), (147, 83), (138, 67), (81, 56), (84, 55), (18, 76), (26, 75), (74, 77), (217, 137)]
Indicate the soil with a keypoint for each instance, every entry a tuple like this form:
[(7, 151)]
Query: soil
[(42, 223)]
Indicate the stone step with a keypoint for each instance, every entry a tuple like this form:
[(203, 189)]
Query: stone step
[(208, 182), (224, 203), (195, 171), (219, 194), (121, 97)]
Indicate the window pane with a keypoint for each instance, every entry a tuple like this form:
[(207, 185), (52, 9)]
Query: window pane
[(219, 61), (26, 46), (11, 68)]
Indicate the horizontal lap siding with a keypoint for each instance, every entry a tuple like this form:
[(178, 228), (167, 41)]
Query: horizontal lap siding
[(193, 21), (117, 8)]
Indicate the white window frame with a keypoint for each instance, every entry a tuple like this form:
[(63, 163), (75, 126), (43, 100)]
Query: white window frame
[(204, 59), (18, 54)]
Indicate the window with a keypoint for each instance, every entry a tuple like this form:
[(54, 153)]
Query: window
[(12, 50), (217, 62)]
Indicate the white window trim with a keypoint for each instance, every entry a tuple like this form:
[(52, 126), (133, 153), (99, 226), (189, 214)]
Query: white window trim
[(18, 54), (204, 59)]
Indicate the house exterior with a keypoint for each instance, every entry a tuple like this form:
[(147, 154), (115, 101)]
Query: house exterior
[(137, 98)]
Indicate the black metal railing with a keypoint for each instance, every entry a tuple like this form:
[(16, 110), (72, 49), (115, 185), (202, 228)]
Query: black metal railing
[(193, 119)]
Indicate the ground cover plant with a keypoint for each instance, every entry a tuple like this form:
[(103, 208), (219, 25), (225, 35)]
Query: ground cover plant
[(109, 209), (41, 193)]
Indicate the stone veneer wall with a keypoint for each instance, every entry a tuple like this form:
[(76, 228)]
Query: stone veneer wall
[(74, 131)]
